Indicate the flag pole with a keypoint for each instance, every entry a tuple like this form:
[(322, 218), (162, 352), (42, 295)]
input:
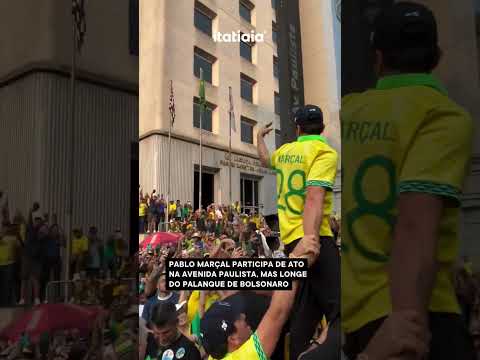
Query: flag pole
[(201, 147), (72, 144), (230, 150), (169, 163)]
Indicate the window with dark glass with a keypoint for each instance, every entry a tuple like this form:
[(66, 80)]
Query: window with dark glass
[(249, 194), (246, 88), (134, 28), (247, 130), (278, 138), (274, 32), (274, 4), (204, 61), (202, 22), (206, 118), (275, 67), (246, 50), (277, 103), (245, 11)]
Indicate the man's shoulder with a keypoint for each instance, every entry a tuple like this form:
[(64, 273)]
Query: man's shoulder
[(185, 348), (184, 341), (321, 149), (152, 300), (252, 347), (352, 98), (283, 148), (440, 104)]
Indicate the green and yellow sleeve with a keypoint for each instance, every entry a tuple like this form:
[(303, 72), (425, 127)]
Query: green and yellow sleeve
[(438, 156), (323, 170)]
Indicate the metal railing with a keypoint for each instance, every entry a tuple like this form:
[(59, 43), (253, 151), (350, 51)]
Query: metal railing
[(76, 290)]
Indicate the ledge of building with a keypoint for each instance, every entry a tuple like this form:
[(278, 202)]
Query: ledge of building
[(196, 142), (471, 201), (65, 71)]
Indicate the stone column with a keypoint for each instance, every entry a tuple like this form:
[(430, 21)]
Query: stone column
[(459, 71)]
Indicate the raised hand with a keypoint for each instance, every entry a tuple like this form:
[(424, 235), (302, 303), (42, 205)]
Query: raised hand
[(265, 130)]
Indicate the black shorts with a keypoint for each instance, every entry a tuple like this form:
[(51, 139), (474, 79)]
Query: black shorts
[(450, 338), (317, 296)]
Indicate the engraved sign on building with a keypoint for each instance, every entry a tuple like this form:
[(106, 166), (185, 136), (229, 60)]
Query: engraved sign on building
[(291, 69)]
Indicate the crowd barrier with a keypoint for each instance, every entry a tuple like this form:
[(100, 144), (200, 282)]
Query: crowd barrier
[(71, 290)]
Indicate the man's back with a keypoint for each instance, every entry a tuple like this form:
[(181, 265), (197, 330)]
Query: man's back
[(307, 161), (405, 136)]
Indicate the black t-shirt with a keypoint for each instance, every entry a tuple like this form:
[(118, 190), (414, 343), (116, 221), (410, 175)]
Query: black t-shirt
[(181, 349)]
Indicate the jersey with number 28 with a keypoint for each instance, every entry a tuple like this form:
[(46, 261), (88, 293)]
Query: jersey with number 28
[(309, 161), (404, 136)]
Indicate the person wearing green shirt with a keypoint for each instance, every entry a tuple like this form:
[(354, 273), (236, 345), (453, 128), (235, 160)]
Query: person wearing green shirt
[(185, 212)]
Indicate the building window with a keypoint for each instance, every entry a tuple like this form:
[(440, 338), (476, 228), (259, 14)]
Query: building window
[(246, 50), (245, 9), (202, 59), (477, 18), (202, 21), (274, 4), (275, 67), (278, 138), (249, 194), (247, 126), (134, 30), (274, 32), (207, 115), (277, 103), (246, 87)]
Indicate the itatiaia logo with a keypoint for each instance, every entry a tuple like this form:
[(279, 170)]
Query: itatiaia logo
[(238, 36)]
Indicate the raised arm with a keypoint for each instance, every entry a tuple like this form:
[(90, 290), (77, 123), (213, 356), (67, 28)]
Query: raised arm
[(262, 149), (270, 327)]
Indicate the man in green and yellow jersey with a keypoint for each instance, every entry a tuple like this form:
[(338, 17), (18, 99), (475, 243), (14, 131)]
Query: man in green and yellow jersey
[(405, 151), (306, 171)]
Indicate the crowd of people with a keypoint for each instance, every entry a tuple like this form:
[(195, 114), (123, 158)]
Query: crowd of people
[(33, 253), (154, 212), (171, 320), (102, 276), (112, 336)]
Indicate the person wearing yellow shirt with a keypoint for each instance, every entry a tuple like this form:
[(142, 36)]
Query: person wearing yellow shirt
[(306, 172), (79, 250), (172, 208), (9, 245), (256, 219), (142, 213), (406, 150)]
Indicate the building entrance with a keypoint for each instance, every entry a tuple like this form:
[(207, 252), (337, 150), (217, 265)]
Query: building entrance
[(249, 194), (207, 189)]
